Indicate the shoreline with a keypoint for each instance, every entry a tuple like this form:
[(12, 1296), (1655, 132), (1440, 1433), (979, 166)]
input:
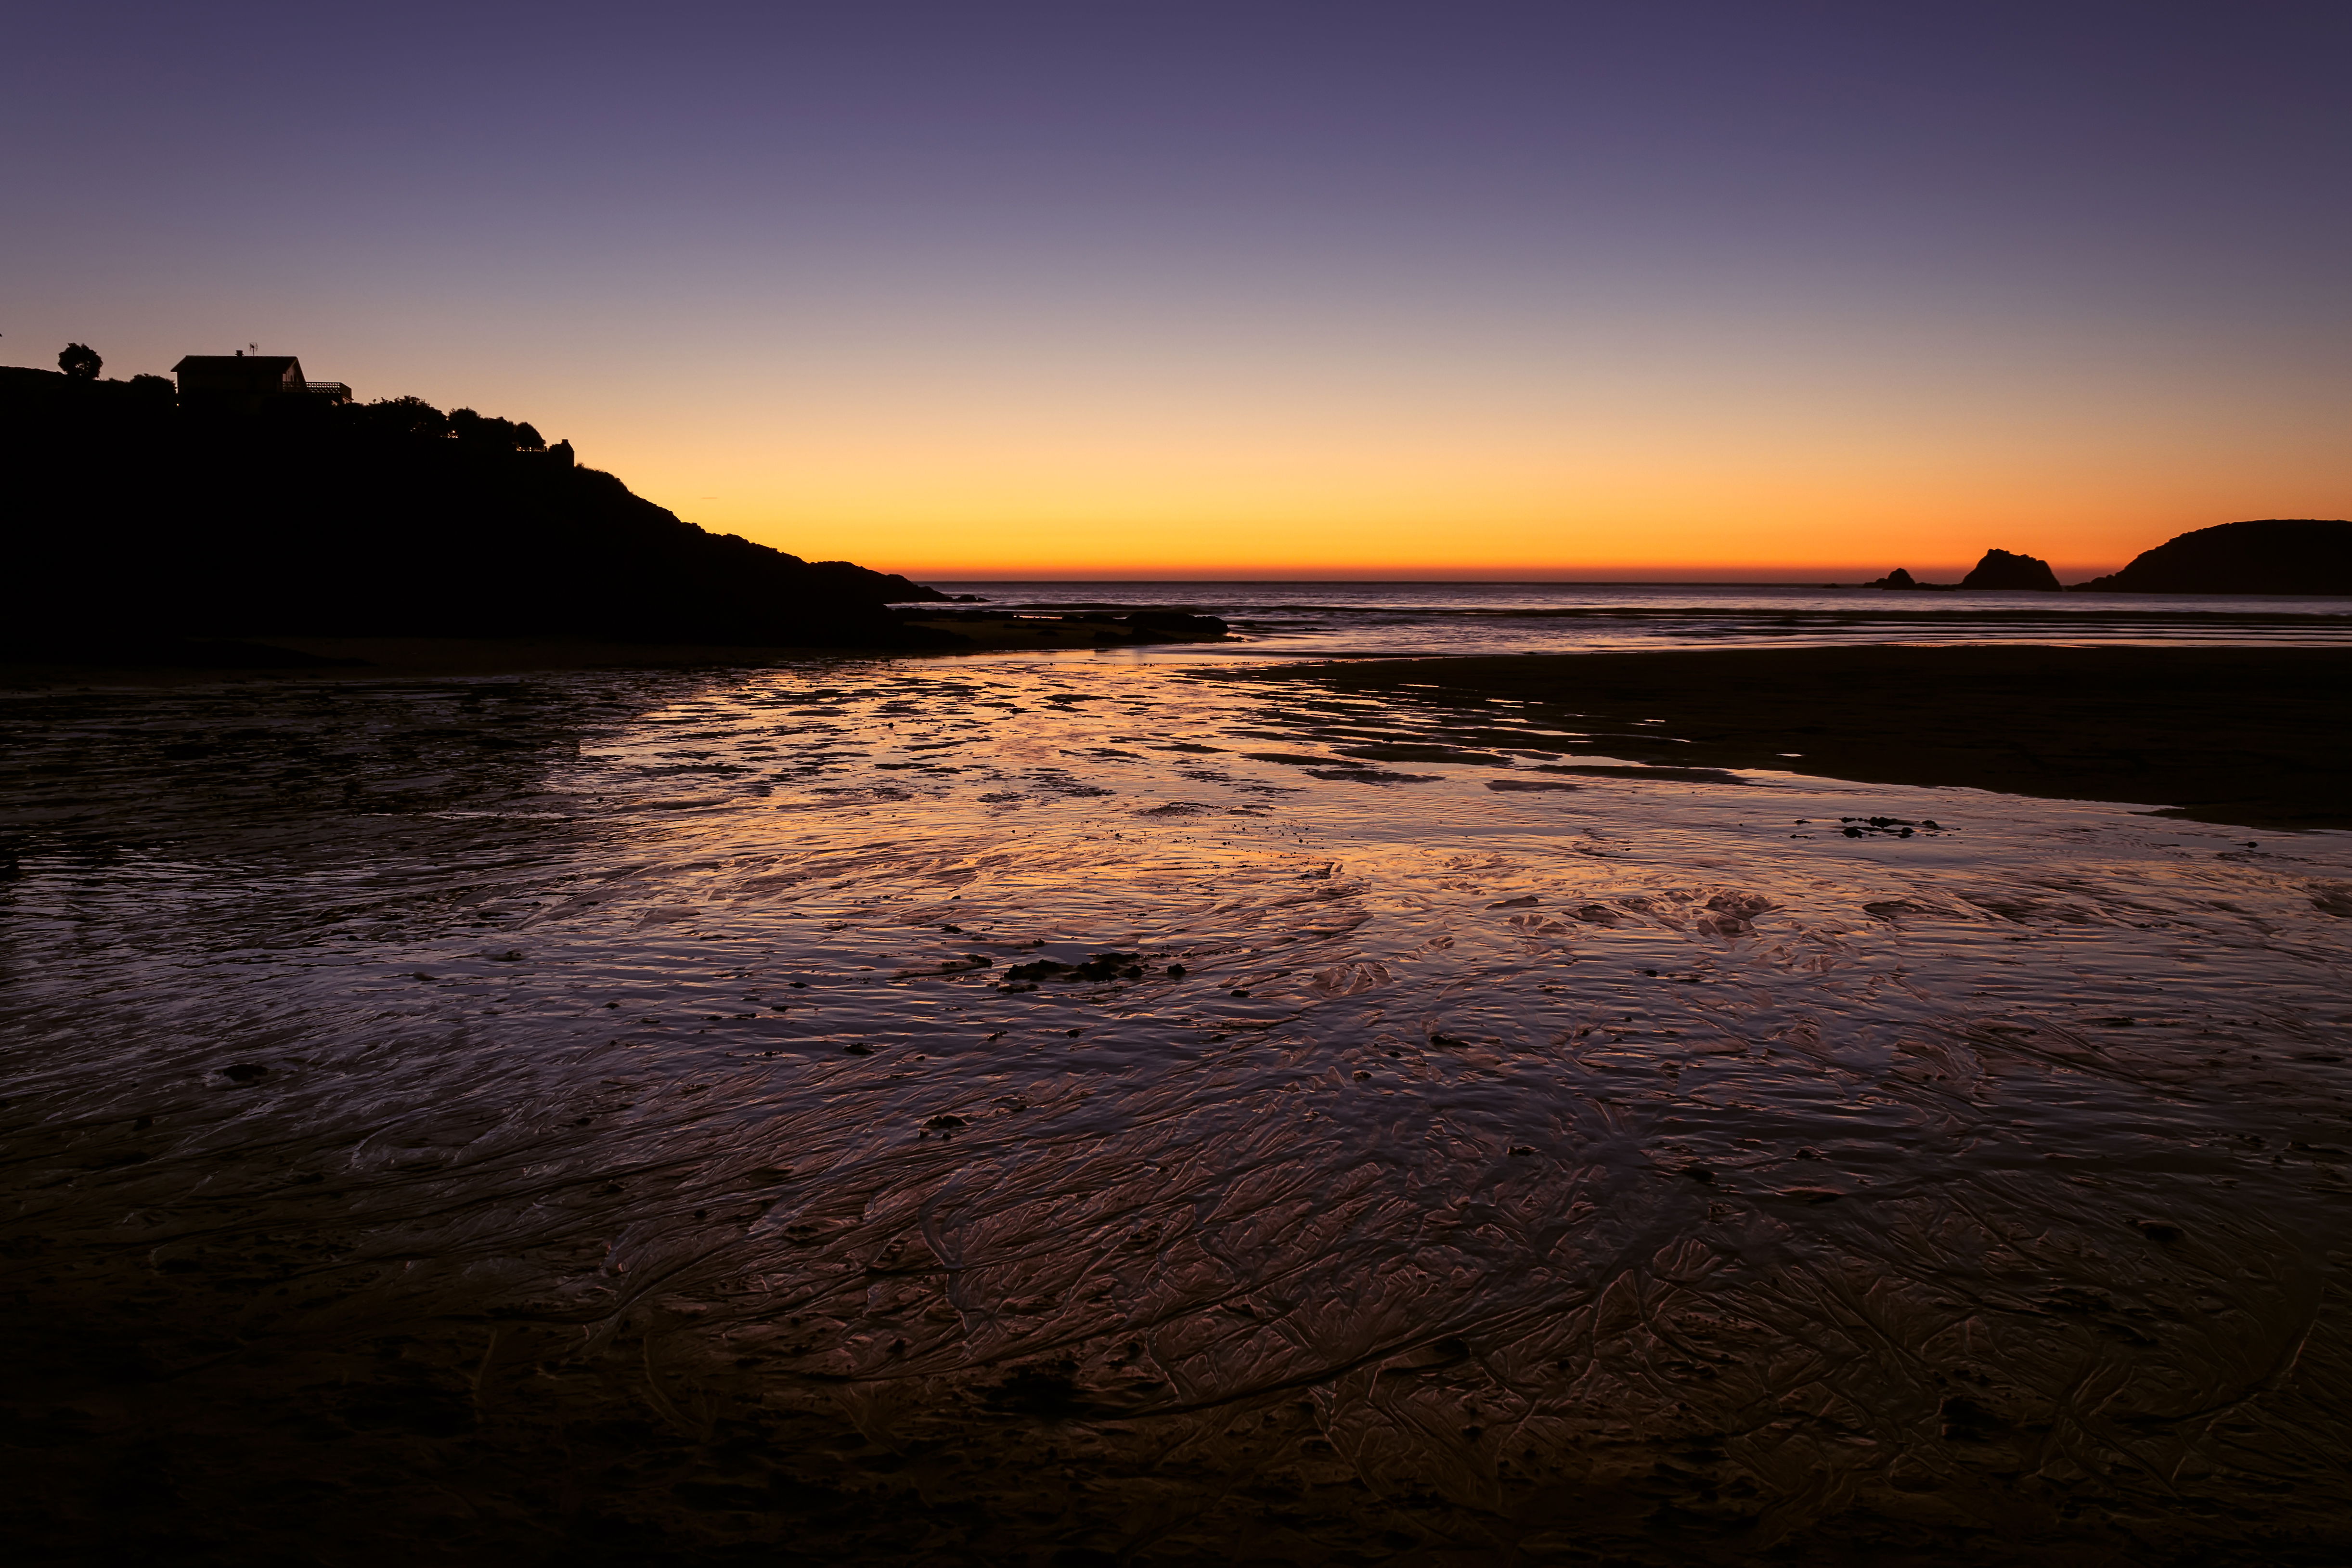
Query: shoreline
[(2258, 737), (248, 660), (394, 659), (2252, 736)]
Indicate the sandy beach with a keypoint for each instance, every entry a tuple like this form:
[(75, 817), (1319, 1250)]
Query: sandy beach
[(309, 659), (2259, 736), (595, 1115)]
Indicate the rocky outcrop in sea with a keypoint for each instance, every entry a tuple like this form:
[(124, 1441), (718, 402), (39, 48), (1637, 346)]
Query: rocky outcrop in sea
[(2003, 570)]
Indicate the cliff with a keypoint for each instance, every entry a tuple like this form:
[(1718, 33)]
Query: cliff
[(2266, 555), (129, 515)]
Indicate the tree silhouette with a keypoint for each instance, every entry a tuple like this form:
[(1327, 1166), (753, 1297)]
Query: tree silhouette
[(489, 430), (476, 429), (80, 361), (407, 416)]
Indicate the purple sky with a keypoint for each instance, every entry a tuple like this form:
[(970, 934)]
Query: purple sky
[(869, 278)]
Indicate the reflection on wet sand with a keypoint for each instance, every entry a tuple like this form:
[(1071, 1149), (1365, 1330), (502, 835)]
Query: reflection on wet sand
[(593, 1114)]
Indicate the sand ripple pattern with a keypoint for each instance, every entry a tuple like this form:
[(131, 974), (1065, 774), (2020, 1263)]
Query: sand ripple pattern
[(1636, 1169)]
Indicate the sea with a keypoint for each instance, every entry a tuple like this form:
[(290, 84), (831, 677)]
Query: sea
[(1386, 620), (1058, 1100)]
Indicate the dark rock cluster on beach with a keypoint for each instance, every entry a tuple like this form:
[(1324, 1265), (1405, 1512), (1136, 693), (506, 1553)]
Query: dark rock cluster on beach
[(1895, 826), (1001, 629), (1100, 969)]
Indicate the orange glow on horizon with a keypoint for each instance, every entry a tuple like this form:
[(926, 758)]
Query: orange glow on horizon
[(1335, 440), (1262, 478), (1431, 526)]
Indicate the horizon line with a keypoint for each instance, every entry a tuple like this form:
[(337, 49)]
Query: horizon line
[(1813, 579)]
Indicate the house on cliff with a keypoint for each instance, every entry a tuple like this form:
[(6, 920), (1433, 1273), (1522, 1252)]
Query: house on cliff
[(247, 381)]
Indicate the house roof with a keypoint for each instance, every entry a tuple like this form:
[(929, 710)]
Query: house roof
[(259, 366)]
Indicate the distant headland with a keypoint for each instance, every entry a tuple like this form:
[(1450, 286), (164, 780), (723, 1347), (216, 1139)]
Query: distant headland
[(250, 501), (2307, 557), (2268, 555), (154, 523)]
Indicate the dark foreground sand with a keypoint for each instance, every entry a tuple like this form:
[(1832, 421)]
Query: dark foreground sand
[(558, 1122), (2261, 737), (314, 660)]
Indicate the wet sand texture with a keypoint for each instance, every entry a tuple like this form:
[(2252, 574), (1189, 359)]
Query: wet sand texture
[(187, 662), (366, 661), (2256, 736), (587, 1121)]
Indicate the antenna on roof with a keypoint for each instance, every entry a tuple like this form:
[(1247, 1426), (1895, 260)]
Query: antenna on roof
[(253, 347)]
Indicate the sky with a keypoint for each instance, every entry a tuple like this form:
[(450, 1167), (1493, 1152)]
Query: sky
[(1732, 291)]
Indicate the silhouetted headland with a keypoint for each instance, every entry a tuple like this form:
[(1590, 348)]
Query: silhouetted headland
[(160, 527), (2307, 557), (2256, 736), (2303, 556), (142, 518)]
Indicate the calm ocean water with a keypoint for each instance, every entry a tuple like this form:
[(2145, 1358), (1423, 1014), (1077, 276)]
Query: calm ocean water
[(1332, 619)]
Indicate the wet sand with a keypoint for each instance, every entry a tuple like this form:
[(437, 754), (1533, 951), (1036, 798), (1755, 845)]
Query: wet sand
[(375, 659), (587, 1119), (2261, 737), (366, 660)]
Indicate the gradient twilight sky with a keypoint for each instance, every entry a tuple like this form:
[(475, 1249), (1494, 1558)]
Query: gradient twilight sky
[(1465, 288)]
